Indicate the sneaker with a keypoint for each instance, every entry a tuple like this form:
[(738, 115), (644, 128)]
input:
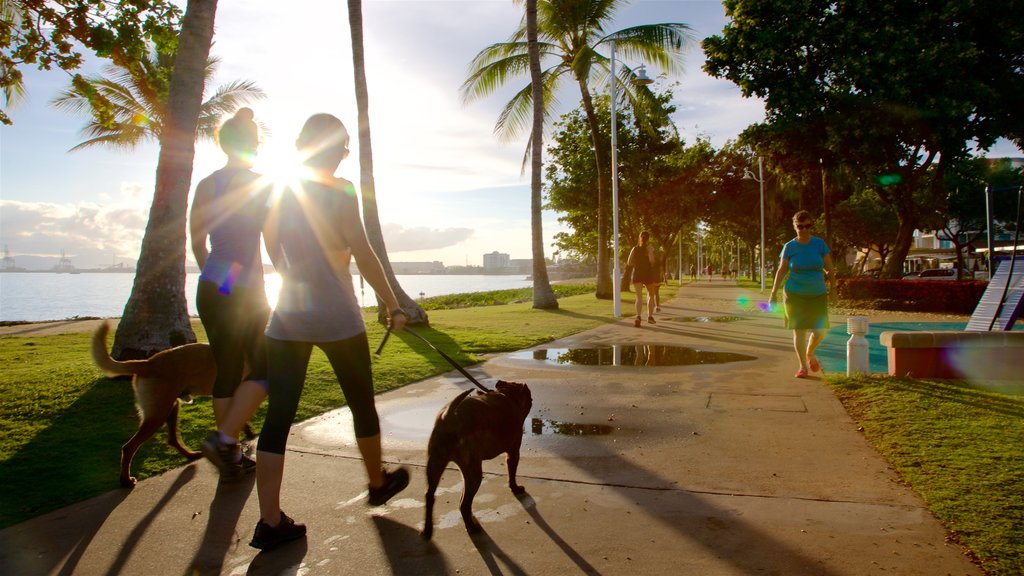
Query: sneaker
[(657, 308), (223, 456), (394, 482), (651, 319), (266, 537), (636, 322)]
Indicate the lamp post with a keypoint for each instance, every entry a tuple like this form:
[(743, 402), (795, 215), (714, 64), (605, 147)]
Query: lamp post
[(641, 79), (748, 175)]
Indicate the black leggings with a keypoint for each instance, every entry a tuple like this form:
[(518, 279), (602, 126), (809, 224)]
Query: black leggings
[(234, 324), (287, 364)]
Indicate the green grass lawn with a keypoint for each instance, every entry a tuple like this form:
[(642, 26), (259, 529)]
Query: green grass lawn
[(62, 423), (960, 446)]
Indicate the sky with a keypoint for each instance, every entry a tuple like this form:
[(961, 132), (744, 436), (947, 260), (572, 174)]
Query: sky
[(448, 189)]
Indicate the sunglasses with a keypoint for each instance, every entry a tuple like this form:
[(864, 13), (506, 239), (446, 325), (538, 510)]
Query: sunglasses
[(804, 226)]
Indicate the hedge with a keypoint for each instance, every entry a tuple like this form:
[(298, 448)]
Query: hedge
[(914, 295)]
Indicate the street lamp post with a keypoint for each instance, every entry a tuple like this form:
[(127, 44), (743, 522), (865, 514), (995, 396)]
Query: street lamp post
[(616, 282), (641, 79), (748, 175)]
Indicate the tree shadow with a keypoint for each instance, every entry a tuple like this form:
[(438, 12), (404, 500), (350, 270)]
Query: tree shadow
[(221, 535), (87, 435), (530, 505), (135, 536), (969, 395), (759, 551), (34, 547), (407, 552)]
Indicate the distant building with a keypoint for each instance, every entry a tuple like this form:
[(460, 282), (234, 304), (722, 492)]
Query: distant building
[(521, 265), (434, 267), (496, 262)]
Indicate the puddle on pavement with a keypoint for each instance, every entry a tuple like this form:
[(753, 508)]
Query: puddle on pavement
[(541, 427), (706, 319), (631, 355)]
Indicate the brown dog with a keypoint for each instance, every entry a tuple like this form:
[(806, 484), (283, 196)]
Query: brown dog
[(468, 431), (158, 382)]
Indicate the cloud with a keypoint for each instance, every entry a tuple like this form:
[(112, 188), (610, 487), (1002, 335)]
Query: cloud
[(401, 239), (88, 233)]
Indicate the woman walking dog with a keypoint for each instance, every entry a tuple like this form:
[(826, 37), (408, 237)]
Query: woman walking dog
[(312, 233)]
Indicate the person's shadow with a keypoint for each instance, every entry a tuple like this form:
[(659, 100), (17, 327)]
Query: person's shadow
[(221, 534)]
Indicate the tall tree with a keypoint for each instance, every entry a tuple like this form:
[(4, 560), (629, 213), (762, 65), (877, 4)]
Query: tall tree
[(543, 296), (48, 33), (896, 90), (128, 105), (156, 315), (371, 217), (571, 33)]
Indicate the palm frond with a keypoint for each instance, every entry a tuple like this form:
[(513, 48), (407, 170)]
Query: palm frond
[(126, 137), (486, 79), (662, 45), (517, 114)]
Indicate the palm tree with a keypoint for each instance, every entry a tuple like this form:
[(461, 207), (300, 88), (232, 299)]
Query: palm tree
[(371, 219), (156, 315), (571, 32), (128, 106), (543, 296)]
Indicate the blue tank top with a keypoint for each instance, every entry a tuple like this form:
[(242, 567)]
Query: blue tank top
[(317, 302), (806, 266), (237, 215)]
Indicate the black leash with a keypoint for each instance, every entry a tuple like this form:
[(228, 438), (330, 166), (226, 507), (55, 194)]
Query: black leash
[(387, 333)]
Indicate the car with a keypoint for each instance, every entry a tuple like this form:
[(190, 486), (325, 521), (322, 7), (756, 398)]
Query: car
[(941, 274)]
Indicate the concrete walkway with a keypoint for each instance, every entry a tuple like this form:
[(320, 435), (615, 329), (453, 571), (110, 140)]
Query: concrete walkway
[(729, 468)]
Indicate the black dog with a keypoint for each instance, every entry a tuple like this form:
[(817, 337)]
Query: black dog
[(468, 431)]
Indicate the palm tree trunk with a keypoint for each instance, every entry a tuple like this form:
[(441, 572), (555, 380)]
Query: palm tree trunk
[(543, 296), (156, 315), (604, 275), (371, 219)]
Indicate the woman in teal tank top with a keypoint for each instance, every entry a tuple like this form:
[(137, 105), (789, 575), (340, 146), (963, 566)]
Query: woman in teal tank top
[(806, 266)]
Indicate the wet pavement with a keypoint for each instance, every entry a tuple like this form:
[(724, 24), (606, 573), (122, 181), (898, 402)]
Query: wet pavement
[(630, 467)]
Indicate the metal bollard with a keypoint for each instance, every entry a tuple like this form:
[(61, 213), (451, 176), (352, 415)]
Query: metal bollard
[(857, 358)]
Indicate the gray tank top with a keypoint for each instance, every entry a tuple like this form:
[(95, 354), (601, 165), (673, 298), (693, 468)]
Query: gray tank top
[(317, 302)]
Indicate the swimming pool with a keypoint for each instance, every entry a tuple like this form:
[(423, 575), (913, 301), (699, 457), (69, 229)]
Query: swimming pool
[(832, 352)]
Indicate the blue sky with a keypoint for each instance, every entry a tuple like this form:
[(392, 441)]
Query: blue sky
[(448, 189)]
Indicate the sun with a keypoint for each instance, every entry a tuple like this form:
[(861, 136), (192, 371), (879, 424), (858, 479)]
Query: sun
[(279, 164)]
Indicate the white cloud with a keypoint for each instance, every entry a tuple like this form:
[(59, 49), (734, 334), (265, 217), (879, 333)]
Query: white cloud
[(400, 239), (90, 234)]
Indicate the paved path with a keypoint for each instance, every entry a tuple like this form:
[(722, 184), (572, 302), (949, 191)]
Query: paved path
[(732, 468)]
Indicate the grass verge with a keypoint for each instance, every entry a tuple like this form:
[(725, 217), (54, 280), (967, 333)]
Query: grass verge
[(62, 424), (960, 446)]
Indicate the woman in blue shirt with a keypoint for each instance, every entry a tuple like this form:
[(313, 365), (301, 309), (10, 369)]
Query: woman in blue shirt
[(806, 266)]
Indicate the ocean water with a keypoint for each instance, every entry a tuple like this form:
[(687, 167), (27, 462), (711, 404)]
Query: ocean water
[(36, 297)]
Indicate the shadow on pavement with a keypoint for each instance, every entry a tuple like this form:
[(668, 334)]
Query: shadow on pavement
[(25, 551), (284, 561), (135, 536), (221, 523), (491, 554), (530, 505), (726, 536), (406, 551)]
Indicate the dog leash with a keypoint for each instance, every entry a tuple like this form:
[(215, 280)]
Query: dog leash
[(455, 364)]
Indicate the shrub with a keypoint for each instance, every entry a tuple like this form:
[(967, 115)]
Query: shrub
[(913, 296)]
